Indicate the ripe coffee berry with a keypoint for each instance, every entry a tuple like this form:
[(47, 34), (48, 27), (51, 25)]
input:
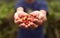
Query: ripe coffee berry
[(27, 19)]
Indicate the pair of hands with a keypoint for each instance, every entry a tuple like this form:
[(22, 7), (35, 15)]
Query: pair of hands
[(37, 22)]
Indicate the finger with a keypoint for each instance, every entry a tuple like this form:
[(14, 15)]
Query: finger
[(37, 21), (33, 14), (35, 26), (40, 17), (26, 26), (23, 14), (18, 21), (44, 20), (20, 9), (29, 25), (22, 25), (15, 16), (32, 25)]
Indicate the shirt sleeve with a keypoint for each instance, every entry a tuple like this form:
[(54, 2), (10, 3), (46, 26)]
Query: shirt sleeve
[(19, 3), (44, 6)]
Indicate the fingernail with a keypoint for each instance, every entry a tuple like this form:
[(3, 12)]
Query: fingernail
[(26, 26)]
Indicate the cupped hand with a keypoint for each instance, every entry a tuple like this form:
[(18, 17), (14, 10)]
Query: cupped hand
[(42, 16), (18, 16), (39, 18)]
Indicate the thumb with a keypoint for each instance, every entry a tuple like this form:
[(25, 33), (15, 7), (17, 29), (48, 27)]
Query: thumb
[(19, 9)]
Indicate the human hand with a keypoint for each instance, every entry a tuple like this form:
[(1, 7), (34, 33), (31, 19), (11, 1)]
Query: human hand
[(18, 18), (42, 16), (35, 15), (39, 18)]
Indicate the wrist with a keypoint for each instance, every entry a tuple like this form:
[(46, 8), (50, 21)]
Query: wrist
[(19, 9), (43, 12)]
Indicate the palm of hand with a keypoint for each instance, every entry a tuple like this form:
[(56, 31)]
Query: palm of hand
[(30, 21)]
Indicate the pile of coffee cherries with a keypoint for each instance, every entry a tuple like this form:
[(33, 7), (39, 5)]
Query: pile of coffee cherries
[(27, 19)]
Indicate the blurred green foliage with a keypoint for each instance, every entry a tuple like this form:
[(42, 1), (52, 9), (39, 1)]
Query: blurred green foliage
[(7, 27)]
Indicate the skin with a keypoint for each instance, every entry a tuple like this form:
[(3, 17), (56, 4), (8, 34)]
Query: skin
[(30, 1), (36, 23)]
